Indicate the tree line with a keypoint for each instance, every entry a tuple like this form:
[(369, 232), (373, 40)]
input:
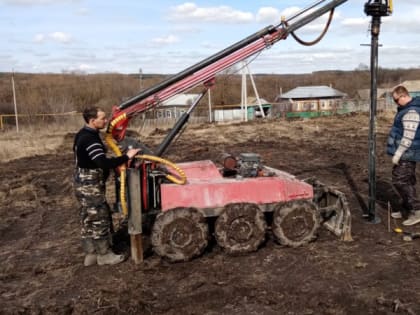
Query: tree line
[(58, 93)]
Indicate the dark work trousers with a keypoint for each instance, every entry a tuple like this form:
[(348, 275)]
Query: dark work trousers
[(404, 180)]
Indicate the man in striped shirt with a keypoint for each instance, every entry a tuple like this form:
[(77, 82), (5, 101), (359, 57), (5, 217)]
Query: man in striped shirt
[(404, 147), (91, 171)]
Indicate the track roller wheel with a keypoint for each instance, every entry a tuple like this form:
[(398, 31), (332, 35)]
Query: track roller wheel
[(296, 223), (240, 228), (180, 234)]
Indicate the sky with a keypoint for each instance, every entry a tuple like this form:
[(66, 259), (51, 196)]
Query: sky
[(133, 36)]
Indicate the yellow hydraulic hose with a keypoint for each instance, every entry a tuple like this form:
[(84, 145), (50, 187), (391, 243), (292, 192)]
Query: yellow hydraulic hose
[(180, 180), (390, 7), (110, 141)]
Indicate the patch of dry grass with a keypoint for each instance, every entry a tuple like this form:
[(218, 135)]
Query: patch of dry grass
[(47, 137), (34, 140)]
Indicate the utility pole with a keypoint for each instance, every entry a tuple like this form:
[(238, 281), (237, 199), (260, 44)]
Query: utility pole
[(244, 95), (376, 9), (14, 101), (257, 96), (244, 92), (210, 110), (141, 78)]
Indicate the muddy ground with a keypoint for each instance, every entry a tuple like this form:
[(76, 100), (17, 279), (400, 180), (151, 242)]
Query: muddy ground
[(41, 269)]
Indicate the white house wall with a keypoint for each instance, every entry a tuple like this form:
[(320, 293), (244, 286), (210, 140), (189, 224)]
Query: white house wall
[(228, 114)]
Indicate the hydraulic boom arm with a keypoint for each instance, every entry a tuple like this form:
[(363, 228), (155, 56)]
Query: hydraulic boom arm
[(205, 71)]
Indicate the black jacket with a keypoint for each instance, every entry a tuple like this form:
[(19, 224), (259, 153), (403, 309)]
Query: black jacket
[(90, 152)]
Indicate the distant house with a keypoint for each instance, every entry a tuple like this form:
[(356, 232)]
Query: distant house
[(175, 106), (235, 112), (314, 100), (364, 94), (384, 95), (413, 87)]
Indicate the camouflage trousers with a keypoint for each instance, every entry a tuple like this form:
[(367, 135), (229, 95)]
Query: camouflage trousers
[(404, 180), (95, 213)]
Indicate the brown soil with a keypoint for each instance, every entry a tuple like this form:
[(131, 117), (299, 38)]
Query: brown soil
[(41, 269)]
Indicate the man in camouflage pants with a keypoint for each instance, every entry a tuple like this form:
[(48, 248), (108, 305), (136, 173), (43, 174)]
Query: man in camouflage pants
[(91, 171)]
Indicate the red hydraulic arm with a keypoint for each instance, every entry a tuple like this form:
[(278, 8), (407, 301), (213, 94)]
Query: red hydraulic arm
[(205, 71)]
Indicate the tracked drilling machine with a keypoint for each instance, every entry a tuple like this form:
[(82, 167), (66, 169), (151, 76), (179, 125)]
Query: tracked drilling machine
[(178, 200)]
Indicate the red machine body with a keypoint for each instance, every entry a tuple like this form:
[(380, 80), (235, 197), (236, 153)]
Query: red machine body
[(207, 190)]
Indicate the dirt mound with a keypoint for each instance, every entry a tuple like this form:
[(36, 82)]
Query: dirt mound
[(41, 270)]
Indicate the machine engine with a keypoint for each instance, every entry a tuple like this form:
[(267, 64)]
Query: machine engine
[(249, 164)]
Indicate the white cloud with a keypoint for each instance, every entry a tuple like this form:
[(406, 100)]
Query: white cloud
[(355, 22), (85, 67), (170, 39), (268, 15), (274, 16), (410, 24), (118, 33), (59, 37), (190, 12), (39, 38), (290, 11)]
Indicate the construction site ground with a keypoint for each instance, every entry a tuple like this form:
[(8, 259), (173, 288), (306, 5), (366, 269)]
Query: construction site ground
[(41, 269)]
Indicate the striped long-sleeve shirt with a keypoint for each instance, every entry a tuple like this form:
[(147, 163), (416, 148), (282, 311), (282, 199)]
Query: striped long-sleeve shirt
[(90, 151), (410, 122)]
